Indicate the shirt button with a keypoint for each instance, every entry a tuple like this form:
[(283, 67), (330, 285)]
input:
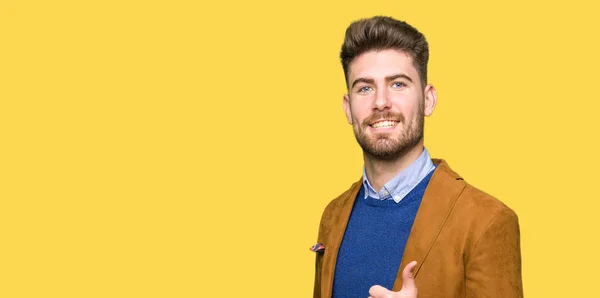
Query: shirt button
[(397, 198), (386, 193)]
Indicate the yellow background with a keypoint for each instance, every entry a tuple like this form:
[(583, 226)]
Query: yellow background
[(187, 149)]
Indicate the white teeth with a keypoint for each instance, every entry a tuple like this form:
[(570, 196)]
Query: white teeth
[(384, 124)]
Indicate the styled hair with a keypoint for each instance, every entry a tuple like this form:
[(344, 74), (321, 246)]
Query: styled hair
[(382, 33)]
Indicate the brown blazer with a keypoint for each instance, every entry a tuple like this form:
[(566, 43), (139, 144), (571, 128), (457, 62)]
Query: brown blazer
[(465, 241)]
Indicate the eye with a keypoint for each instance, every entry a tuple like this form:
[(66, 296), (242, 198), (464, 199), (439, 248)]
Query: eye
[(398, 85), (365, 89)]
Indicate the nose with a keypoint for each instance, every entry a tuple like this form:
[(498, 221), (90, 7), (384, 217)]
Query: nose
[(382, 99)]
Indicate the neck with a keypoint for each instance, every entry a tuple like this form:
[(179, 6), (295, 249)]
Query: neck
[(379, 171)]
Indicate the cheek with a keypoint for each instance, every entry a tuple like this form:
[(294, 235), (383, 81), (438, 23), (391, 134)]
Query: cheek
[(408, 104), (360, 112), (411, 115)]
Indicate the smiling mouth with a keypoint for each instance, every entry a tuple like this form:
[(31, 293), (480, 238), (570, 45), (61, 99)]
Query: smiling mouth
[(384, 124)]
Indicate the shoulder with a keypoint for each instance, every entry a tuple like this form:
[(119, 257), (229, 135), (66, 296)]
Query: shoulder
[(341, 200), (478, 201), (471, 199), (485, 218), (333, 210), (474, 211)]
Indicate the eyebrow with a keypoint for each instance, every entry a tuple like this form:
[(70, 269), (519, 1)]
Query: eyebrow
[(387, 79)]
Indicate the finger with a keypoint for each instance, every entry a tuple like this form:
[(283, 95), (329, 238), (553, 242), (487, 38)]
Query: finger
[(379, 292), (408, 277)]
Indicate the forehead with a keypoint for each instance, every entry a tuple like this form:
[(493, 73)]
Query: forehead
[(379, 64)]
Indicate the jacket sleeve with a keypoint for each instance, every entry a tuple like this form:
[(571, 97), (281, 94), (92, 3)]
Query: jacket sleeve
[(493, 267), (318, 266), (324, 230), (319, 261)]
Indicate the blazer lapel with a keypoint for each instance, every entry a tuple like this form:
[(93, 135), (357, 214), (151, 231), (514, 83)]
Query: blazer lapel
[(440, 196), (338, 228)]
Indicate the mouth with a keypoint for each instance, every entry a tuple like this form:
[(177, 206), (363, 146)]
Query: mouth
[(384, 124)]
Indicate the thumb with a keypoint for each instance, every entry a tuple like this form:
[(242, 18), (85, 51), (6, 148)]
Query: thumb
[(408, 278), (379, 292)]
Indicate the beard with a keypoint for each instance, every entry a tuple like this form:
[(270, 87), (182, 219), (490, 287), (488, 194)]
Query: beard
[(385, 146)]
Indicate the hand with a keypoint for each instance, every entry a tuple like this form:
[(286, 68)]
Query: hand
[(409, 289)]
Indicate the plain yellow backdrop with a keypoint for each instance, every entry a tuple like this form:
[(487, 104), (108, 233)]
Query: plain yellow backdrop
[(188, 148)]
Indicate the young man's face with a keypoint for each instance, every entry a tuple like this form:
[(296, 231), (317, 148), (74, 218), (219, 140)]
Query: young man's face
[(386, 103)]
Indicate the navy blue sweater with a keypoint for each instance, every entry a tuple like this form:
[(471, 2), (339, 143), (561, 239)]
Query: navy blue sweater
[(374, 241)]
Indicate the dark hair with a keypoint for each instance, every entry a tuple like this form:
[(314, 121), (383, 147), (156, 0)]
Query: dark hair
[(383, 33)]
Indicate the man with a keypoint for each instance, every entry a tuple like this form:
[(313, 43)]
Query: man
[(410, 219)]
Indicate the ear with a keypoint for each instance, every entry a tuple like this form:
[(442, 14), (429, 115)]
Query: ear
[(346, 105), (430, 99)]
